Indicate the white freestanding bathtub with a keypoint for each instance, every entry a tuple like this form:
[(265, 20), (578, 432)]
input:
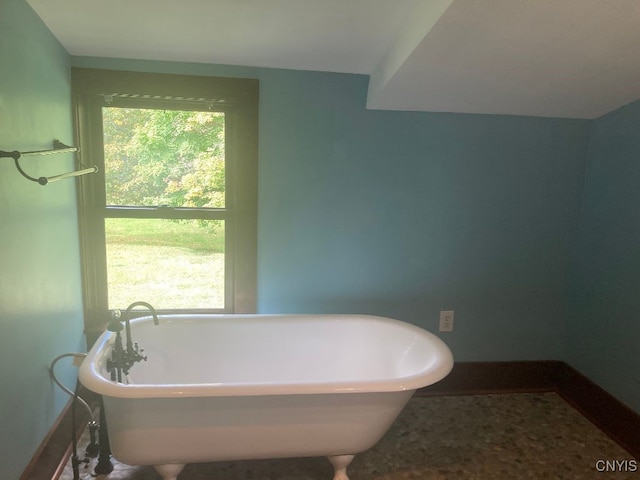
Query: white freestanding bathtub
[(232, 387)]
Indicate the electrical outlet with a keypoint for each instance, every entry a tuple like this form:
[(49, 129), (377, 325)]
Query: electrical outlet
[(446, 320)]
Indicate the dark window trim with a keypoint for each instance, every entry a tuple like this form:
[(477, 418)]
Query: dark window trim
[(238, 98)]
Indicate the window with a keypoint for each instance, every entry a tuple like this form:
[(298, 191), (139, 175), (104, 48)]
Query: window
[(171, 216)]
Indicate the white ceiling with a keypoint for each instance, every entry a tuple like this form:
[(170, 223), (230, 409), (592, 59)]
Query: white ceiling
[(553, 58)]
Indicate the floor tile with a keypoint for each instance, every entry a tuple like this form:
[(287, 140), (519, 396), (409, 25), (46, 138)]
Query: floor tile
[(475, 437)]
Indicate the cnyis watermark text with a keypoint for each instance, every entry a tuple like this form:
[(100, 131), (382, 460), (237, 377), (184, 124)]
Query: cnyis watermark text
[(616, 466)]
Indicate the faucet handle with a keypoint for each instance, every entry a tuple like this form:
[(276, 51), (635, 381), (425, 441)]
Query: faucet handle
[(138, 352), (115, 325)]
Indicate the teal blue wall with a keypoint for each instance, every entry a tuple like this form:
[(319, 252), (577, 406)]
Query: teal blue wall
[(40, 296), (603, 330), (403, 214)]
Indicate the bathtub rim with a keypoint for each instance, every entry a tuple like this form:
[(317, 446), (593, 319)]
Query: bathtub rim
[(91, 377)]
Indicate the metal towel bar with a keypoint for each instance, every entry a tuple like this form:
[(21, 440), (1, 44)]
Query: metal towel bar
[(58, 147)]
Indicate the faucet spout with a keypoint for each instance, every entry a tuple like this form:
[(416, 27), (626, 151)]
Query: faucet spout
[(123, 359), (127, 320), (147, 306)]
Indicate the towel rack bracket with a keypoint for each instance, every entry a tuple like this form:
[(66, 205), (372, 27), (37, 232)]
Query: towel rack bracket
[(58, 147)]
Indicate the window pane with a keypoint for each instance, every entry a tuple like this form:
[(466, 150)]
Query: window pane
[(169, 263), (164, 157)]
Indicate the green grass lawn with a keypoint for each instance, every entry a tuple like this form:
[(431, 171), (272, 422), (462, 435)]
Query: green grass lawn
[(198, 235), (170, 264)]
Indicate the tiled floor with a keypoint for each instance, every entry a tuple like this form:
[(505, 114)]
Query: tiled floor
[(484, 437)]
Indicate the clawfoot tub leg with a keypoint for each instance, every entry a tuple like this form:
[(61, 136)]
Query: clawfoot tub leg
[(340, 464), (169, 471)]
